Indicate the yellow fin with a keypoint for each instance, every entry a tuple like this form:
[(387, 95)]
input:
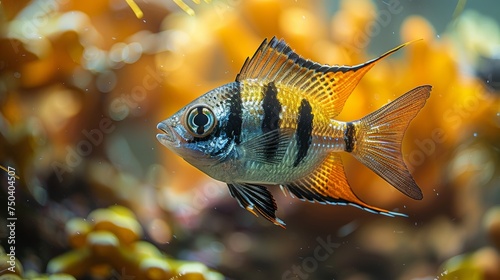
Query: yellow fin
[(328, 184), (379, 136), (275, 61)]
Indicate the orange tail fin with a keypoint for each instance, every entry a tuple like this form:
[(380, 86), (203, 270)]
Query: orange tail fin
[(379, 136)]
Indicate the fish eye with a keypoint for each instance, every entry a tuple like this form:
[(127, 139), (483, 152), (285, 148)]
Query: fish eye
[(200, 121)]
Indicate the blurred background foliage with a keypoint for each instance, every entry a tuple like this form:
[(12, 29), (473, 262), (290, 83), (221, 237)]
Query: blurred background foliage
[(84, 83)]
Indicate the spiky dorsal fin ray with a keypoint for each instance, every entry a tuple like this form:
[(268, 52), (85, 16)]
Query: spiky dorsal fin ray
[(274, 61), (379, 136), (328, 184)]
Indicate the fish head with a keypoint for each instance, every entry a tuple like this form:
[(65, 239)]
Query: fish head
[(198, 132)]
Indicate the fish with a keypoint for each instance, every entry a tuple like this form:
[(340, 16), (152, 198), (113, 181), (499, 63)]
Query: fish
[(275, 126)]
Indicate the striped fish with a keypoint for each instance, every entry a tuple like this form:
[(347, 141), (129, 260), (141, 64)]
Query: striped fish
[(275, 126)]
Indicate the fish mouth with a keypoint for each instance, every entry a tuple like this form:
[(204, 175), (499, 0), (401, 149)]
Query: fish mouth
[(168, 137)]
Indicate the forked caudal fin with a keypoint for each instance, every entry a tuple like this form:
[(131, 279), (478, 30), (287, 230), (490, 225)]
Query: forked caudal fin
[(378, 138)]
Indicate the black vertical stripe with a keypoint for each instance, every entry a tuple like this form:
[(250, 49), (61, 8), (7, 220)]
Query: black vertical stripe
[(235, 118), (272, 108), (349, 132), (229, 127), (304, 131), (270, 124)]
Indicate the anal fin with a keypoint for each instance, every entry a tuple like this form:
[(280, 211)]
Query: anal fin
[(328, 184), (257, 200)]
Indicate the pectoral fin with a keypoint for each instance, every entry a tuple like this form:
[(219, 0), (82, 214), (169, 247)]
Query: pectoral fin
[(257, 200), (269, 147)]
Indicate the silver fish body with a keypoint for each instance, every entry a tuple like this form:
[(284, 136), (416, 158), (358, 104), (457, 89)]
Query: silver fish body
[(275, 126)]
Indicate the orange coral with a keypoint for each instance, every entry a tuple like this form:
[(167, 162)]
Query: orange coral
[(83, 85), (107, 242)]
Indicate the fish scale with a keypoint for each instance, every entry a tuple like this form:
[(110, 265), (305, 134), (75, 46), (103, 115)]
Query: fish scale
[(253, 95)]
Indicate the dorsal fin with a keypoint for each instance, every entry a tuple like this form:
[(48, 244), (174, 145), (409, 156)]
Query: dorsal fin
[(275, 61)]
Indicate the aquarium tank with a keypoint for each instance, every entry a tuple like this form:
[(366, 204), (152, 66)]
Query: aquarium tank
[(88, 192)]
